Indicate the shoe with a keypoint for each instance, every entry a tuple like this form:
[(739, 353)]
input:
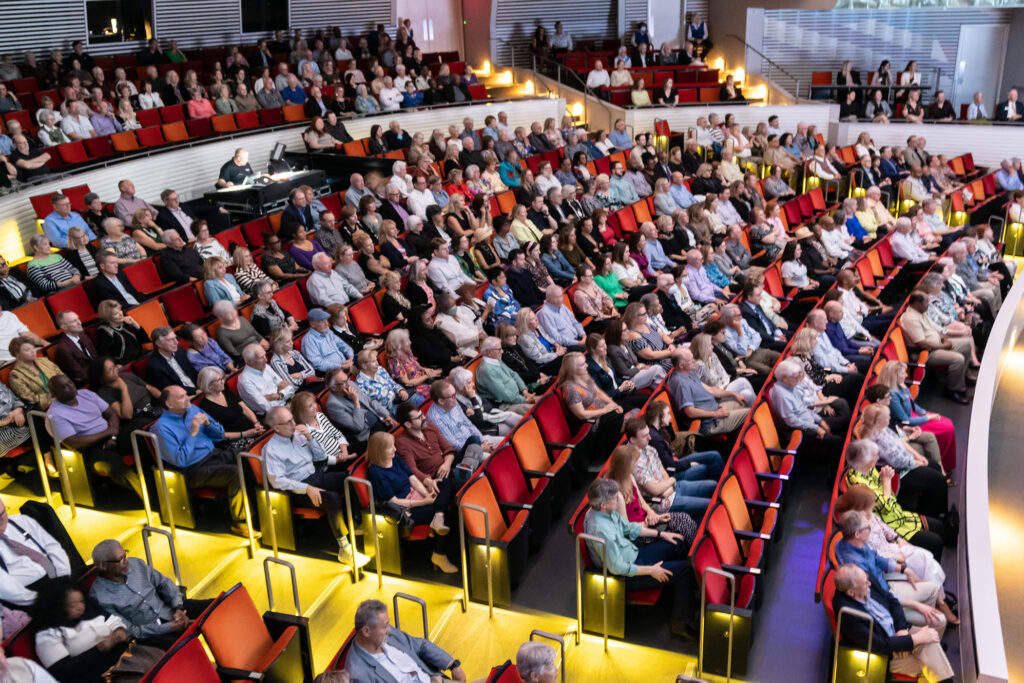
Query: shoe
[(346, 556), (959, 397), (443, 564), (243, 531), (439, 528)]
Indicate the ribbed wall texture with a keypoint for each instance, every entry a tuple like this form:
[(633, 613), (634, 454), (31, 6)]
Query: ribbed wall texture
[(636, 11), (44, 25), (212, 22), (515, 21), (352, 17), (701, 7), (988, 144), (193, 171), (802, 41), (681, 118)]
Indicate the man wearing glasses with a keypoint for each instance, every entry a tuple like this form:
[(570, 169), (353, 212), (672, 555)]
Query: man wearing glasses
[(149, 603)]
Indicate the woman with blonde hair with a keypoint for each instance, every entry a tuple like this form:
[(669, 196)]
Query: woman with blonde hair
[(119, 336), (922, 486), (307, 412), (845, 385), (409, 499), (712, 373), (403, 365), (909, 413), (291, 365), (247, 273), (219, 284), (586, 401)]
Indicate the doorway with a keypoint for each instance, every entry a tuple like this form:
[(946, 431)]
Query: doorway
[(437, 24), (979, 64)]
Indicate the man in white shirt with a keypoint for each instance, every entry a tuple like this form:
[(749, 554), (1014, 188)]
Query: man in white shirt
[(259, 386), (444, 272), (560, 41), (598, 77), (29, 556), (976, 109), (420, 198), (11, 327), (903, 244), (76, 124), (773, 126), (326, 287)]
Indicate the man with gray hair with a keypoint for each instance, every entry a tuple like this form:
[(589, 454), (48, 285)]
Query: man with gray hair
[(259, 386), (644, 567), (297, 465), (151, 606), (382, 654), (180, 262), (169, 364), (480, 411), (558, 323), (944, 350), (794, 404), (498, 382), (535, 663), (746, 343), (719, 411), (325, 286)]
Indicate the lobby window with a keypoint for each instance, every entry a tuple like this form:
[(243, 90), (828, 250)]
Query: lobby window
[(119, 21), (264, 16)]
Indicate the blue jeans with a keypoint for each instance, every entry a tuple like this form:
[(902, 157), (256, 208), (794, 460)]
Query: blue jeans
[(693, 497), (682, 581), (709, 466)]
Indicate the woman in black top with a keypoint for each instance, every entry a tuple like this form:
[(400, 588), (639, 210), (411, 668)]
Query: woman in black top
[(587, 240), (666, 94), (267, 314), (431, 346), (95, 213), (377, 144), (417, 240), (240, 424), (119, 336), (418, 290), (706, 182), (133, 396), (521, 364), (393, 305), (279, 264)]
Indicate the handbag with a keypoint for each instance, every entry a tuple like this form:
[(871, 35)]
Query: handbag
[(133, 664)]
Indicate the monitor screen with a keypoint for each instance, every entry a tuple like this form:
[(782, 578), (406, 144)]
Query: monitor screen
[(278, 153)]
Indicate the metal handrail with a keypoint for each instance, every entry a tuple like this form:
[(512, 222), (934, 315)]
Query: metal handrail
[(147, 531), (732, 618), (771, 64), (561, 646), (579, 585), (352, 529), (142, 476), (855, 613), (58, 455), (40, 461), (245, 501), (423, 610), (270, 590), (511, 49), (487, 562)]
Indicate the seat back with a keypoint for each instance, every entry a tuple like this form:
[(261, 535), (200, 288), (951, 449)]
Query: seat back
[(365, 316), (42, 205), (550, 418), (74, 299), (150, 137), (663, 397), (235, 632), (732, 500), (719, 528), (507, 479), (627, 220), (175, 131), (183, 305), (773, 282), (293, 112), (187, 661), (144, 276), (529, 447), (479, 493), (705, 556), (764, 424), (124, 142), (755, 448), (37, 318)]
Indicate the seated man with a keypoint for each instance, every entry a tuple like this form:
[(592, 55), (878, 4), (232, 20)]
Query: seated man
[(352, 411), (298, 465), (795, 408), (259, 386), (683, 493), (856, 352), (57, 224), (557, 323), (498, 383), (75, 350), (536, 663), (662, 561), (952, 353), (84, 422), (382, 654), (326, 287), (917, 596), (451, 421), (180, 262), (828, 356), (189, 440), (915, 650), (427, 454), (719, 411), (29, 557), (757, 319), (150, 604), (444, 270), (169, 364), (112, 284), (322, 348)]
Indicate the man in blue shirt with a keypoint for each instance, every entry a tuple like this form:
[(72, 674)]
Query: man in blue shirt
[(619, 137), (189, 441), (680, 194), (1006, 178), (858, 355), (321, 347), (293, 94), (58, 223)]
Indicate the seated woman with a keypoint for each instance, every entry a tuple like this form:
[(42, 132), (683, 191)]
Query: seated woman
[(712, 373), (306, 411), (394, 248), (846, 386), (13, 425), (31, 374), (317, 137), (74, 640), (862, 468), (150, 236), (404, 496), (235, 332), (136, 399), (342, 328), (889, 545), (498, 295), (460, 324), (403, 365), (599, 367), (663, 561), (542, 351), (119, 336), (291, 365), (555, 262), (241, 426), (606, 278), (247, 273), (304, 248), (639, 95), (267, 314), (635, 509), (650, 345), (126, 249), (379, 385), (624, 361), (220, 285), (49, 272), (81, 253), (922, 484), (589, 299), (794, 272), (587, 402), (277, 263), (374, 265), (631, 277)]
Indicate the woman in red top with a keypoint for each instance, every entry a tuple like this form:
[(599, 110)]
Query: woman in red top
[(633, 506)]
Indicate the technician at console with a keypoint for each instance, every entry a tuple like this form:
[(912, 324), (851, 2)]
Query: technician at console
[(235, 171)]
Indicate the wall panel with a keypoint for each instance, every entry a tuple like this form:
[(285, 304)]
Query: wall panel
[(352, 17), (681, 118), (219, 22), (41, 25), (513, 22)]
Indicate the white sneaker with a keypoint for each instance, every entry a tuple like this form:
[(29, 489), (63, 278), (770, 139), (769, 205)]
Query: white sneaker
[(345, 556)]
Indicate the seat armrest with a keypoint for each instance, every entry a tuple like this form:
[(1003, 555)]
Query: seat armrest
[(229, 674), (736, 569), (751, 534), (538, 473), (514, 506), (772, 475), (762, 504), (785, 451)]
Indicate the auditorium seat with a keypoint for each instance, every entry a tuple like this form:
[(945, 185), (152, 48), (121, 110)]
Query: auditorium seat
[(175, 131), (37, 318), (145, 277), (366, 318), (150, 137), (99, 148), (199, 128), (225, 123), (186, 661), (542, 460), (124, 142), (73, 299), (722, 598), (73, 153), (183, 305), (515, 493)]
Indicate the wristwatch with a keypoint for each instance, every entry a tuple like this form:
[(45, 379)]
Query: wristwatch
[(456, 663)]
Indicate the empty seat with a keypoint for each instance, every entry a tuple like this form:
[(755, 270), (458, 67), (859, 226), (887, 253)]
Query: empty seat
[(73, 153), (366, 318), (73, 299), (175, 131), (225, 123), (99, 148), (37, 318), (246, 120), (199, 128), (186, 661), (516, 493), (540, 460), (508, 541), (719, 594), (290, 299), (183, 305)]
